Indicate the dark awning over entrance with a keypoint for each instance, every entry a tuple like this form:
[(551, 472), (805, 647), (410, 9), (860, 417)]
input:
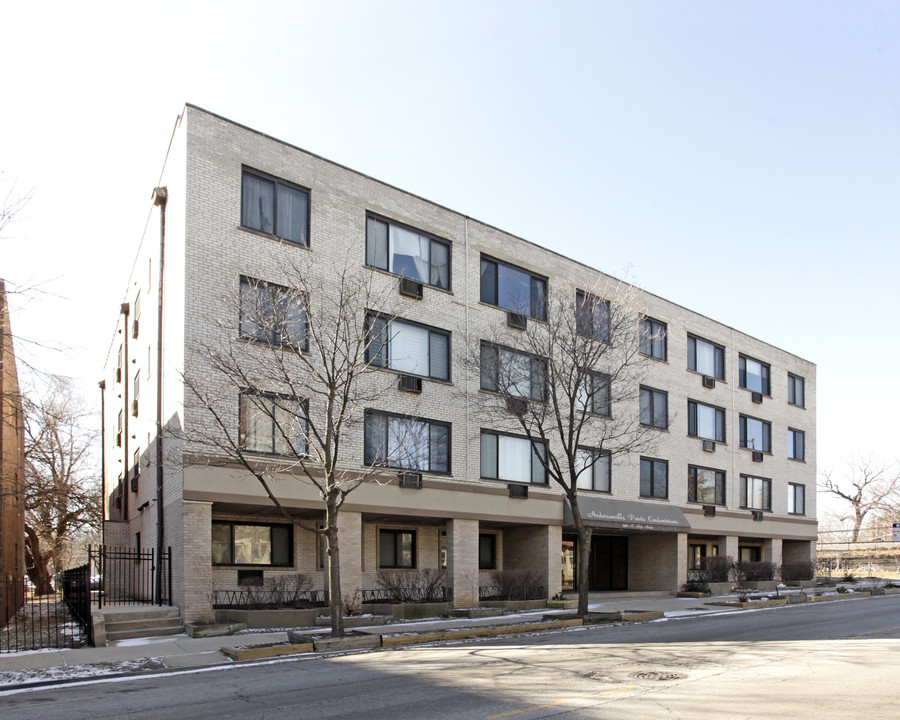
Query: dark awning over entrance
[(624, 515)]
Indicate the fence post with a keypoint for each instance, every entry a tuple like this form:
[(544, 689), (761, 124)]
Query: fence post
[(169, 572)]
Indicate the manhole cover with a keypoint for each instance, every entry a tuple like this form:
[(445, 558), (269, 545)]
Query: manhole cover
[(656, 675)]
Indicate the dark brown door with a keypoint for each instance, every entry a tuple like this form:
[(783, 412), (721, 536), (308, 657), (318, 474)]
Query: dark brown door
[(609, 563)]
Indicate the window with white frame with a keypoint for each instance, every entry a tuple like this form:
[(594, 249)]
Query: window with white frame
[(511, 372), (796, 444), (273, 314), (796, 390), (706, 357), (654, 408), (273, 424), (594, 393), (706, 485), (512, 458), (591, 316), (653, 339), (513, 289), (654, 478), (706, 421), (756, 434), (237, 543), (756, 493), (593, 470), (754, 375), (404, 251), (407, 347), (275, 207), (796, 499), (407, 443)]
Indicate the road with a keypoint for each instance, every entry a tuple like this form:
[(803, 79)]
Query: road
[(829, 660)]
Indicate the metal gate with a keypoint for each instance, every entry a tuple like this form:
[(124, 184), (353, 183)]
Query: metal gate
[(133, 576)]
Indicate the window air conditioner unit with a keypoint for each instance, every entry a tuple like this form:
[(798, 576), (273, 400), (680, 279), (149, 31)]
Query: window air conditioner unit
[(709, 510), (134, 329), (709, 382), (516, 320), (119, 502), (410, 288), (756, 397), (517, 406), (410, 480), (518, 491), (134, 484), (118, 374), (118, 439), (410, 383), (757, 456), (757, 515), (134, 407), (709, 446)]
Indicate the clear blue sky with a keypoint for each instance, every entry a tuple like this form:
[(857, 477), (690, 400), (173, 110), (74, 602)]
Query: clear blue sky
[(737, 157)]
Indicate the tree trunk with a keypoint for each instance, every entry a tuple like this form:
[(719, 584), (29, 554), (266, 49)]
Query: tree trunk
[(37, 565), (335, 599), (584, 556)]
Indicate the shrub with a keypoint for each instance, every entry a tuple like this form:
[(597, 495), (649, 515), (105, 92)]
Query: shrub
[(413, 586), (849, 577), (353, 603), (715, 568), (696, 586), (801, 570), (515, 585), (755, 571)]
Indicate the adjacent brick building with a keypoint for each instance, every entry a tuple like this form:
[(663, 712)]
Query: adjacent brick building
[(732, 472)]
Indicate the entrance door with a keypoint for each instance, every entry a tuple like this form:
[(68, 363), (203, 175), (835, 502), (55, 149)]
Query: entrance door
[(608, 568)]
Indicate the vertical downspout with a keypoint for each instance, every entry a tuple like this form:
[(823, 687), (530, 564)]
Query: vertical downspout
[(102, 385), (160, 198), (466, 347), (126, 375)]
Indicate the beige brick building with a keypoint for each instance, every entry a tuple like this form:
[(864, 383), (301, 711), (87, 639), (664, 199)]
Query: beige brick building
[(732, 471)]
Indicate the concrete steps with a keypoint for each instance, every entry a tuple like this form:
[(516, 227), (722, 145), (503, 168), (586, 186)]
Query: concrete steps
[(141, 621)]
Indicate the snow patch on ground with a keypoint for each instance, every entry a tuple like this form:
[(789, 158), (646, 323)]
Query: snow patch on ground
[(66, 672)]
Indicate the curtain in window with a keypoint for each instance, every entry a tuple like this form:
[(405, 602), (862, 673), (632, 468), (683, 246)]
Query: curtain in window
[(514, 459), (706, 358), (439, 352), (290, 427), (255, 425), (252, 545), (408, 444), (377, 348), (377, 243), (515, 373), (409, 348), (514, 290), (440, 448), (292, 207), (409, 254), (488, 455), (375, 439), (583, 459), (258, 204), (440, 265)]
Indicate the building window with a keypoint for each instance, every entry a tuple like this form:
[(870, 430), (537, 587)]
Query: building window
[(654, 478), (706, 421), (593, 470), (273, 424), (654, 408), (396, 549), (594, 393), (706, 486), (796, 395), (796, 444), (119, 366), (275, 207), (410, 444), (136, 468), (487, 551), (510, 372), (407, 252), (696, 553), (796, 499), (512, 289), (591, 316), (756, 434), (136, 315), (408, 348), (252, 544), (512, 459), (137, 393), (706, 358), (756, 493), (754, 375), (653, 339), (273, 314)]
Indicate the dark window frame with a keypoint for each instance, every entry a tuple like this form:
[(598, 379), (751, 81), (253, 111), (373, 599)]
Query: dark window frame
[(233, 523), (796, 441), (652, 393), (372, 261), (693, 421), (600, 454), (537, 288), (586, 319), (795, 490), (720, 490), (718, 360), (397, 550), (276, 183), (765, 374), (489, 382), (268, 332), (368, 429), (744, 498), (649, 337), (599, 395), (489, 562), (795, 381), (496, 475), (243, 430), (375, 349), (655, 465), (767, 433)]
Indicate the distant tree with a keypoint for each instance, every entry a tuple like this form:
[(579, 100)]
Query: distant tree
[(866, 487), (62, 491), (305, 364), (571, 386)]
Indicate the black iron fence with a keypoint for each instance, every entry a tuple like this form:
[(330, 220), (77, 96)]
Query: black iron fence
[(268, 599), (76, 589), (507, 592), (39, 621), (438, 593), (132, 576)]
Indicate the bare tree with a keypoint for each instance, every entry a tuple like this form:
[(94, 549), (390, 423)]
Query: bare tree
[(304, 365), (62, 493), (572, 386), (13, 203), (866, 487)]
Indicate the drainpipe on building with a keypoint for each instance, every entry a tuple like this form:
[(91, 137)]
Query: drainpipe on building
[(160, 198), (102, 385)]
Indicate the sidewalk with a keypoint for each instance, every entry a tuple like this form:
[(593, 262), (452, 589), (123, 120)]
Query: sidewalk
[(181, 651)]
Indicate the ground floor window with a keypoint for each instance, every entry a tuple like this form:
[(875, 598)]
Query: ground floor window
[(252, 544), (750, 553), (396, 549), (487, 551), (696, 553)]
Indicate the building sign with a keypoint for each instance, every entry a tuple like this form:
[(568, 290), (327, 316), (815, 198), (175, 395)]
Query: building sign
[(896, 532), (624, 515)]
